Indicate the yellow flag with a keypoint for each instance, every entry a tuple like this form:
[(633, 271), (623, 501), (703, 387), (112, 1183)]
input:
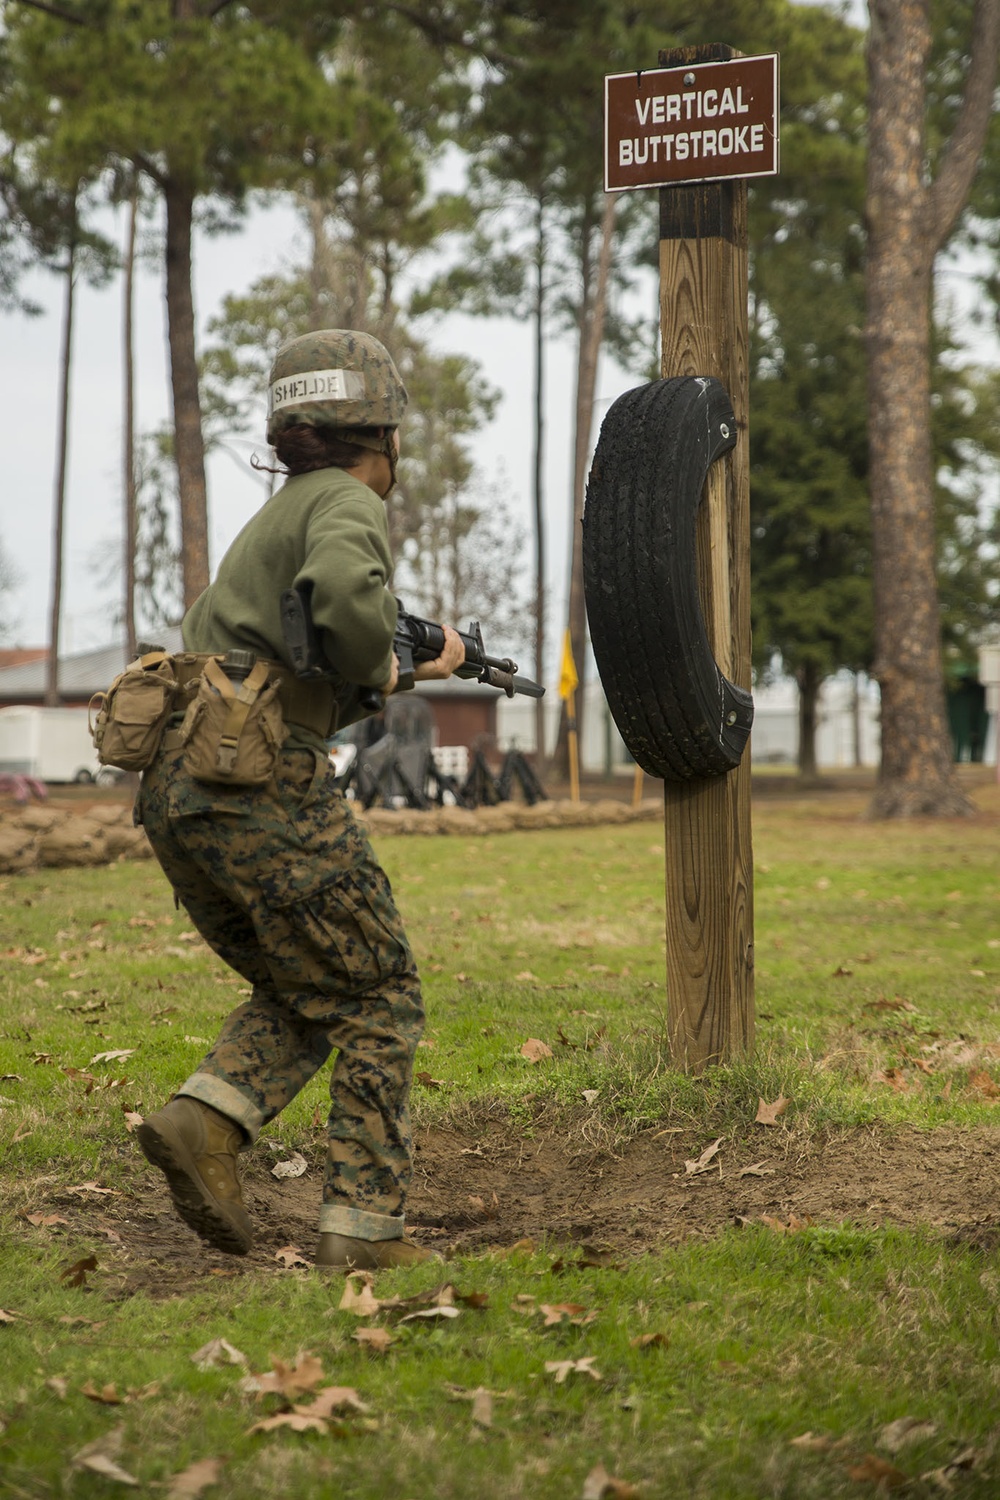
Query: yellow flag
[(567, 671)]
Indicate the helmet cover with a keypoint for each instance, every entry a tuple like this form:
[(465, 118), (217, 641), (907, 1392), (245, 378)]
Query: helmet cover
[(334, 378)]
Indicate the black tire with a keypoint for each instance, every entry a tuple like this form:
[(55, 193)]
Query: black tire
[(679, 716)]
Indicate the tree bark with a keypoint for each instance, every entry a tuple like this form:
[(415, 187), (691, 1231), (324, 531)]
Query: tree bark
[(128, 434), (539, 490), (808, 679), (59, 499), (592, 313), (908, 220), (189, 448)]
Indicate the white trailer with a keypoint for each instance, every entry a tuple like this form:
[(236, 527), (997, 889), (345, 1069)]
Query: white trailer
[(51, 744)]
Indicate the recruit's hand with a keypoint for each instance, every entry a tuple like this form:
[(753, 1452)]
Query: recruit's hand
[(451, 657)]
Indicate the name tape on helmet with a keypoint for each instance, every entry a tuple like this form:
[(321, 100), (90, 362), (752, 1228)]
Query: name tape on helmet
[(315, 385)]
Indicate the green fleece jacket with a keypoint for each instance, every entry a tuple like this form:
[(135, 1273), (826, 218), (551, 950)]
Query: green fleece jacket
[(326, 529)]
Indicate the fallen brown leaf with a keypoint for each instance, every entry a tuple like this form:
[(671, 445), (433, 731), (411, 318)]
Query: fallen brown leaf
[(292, 1165), (99, 1457), (704, 1162), (198, 1476), (482, 1408), (429, 1082), (649, 1341), (770, 1114), (794, 1225), (293, 1419), (291, 1255), (600, 1485), (944, 1478), (535, 1051), (895, 1078), (217, 1352), (76, 1274), (107, 1395), (560, 1368), (556, 1312), (59, 1385), (286, 1380), (431, 1313), (6, 1316), (904, 1431), (875, 1470), (898, 1004), (334, 1398), (118, 1054), (45, 1221), (359, 1299), (756, 1169), (378, 1340), (982, 1084), (811, 1442), (519, 1247)]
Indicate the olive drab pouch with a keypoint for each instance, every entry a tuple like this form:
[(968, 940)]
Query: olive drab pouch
[(233, 727), (132, 714)]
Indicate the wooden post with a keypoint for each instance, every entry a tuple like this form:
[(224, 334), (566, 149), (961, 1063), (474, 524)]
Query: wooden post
[(574, 748), (709, 858)]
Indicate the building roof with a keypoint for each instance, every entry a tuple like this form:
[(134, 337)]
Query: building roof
[(88, 672), (13, 656), (80, 676)]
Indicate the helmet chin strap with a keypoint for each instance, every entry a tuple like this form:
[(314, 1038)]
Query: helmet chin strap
[(389, 449)]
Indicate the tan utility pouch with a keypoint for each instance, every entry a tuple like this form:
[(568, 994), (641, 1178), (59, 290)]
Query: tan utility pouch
[(232, 731), (132, 714)]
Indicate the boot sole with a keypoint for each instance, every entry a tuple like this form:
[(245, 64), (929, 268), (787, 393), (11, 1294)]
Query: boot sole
[(195, 1203)]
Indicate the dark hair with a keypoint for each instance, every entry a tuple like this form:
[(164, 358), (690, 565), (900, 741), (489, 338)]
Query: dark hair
[(301, 449)]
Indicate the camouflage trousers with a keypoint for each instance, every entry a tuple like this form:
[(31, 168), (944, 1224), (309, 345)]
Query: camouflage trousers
[(285, 887)]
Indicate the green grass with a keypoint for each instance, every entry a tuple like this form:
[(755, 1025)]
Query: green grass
[(878, 996), (764, 1339)]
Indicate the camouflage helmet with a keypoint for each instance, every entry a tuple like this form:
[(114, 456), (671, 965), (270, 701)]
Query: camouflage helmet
[(334, 378)]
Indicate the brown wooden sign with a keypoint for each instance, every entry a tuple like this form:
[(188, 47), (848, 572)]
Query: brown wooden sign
[(691, 123)]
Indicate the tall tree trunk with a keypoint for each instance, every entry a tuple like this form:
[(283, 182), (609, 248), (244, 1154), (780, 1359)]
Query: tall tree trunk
[(539, 492), (908, 221), (808, 679), (128, 435), (592, 314), (189, 448), (59, 499)]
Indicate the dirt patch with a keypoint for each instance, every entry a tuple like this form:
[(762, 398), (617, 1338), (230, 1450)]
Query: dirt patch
[(495, 1185)]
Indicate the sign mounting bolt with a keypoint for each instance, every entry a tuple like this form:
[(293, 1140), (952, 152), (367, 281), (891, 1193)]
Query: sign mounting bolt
[(688, 80)]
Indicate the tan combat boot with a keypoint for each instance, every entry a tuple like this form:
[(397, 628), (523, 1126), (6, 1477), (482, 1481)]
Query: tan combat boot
[(346, 1254), (196, 1148)]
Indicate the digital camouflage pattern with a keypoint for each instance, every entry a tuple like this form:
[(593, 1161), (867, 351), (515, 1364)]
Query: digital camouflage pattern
[(284, 886), (334, 378)]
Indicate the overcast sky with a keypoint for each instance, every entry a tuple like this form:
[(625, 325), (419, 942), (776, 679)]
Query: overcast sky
[(269, 241), (29, 360)]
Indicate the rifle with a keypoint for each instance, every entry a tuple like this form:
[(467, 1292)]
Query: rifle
[(415, 641)]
